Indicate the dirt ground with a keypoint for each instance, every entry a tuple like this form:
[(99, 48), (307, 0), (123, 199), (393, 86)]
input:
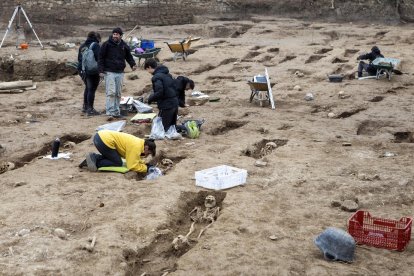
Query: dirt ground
[(265, 227)]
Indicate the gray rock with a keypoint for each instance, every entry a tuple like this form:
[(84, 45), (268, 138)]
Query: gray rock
[(260, 163), (349, 206), (60, 233), (23, 232), (309, 97)]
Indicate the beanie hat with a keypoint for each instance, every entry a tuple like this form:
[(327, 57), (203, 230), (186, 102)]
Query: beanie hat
[(117, 30)]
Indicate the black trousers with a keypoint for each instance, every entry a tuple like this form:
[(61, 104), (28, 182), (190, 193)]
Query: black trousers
[(168, 117), (367, 67), (91, 84), (108, 157)]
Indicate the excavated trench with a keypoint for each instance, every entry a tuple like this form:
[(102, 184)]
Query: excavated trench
[(37, 70), (47, 148), (264, 147), (160, 256)]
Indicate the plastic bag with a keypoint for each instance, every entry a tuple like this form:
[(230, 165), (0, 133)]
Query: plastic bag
[(116, 126), (192, 129), (173, 134), (199, 122), (153, 173), (141, 107), (157, 129)]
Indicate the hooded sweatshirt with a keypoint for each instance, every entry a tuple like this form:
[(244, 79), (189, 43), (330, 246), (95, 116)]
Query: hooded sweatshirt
[(375, 53), (181, 84), (164, 89), (128, 146)]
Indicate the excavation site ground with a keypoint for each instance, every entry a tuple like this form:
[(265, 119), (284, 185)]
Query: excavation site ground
[(353, 142)]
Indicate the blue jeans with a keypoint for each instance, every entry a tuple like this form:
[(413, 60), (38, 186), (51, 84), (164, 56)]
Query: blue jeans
[(108, 157), (113, 88)]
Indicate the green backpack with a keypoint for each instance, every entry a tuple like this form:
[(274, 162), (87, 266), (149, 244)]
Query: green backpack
[(192, 130)]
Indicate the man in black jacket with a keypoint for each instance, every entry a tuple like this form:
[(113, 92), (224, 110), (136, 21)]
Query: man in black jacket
[(91, 79), (164, 93), (111, 64), (375, 53), (183, 84)]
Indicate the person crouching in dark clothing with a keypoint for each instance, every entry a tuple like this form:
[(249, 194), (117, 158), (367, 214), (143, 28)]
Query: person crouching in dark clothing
[(90, 79), (375, 53), (183, 84), (164, 93)]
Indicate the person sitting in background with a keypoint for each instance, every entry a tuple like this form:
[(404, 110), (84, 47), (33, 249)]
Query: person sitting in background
[(114, 146), (369, 68), (183, 84)]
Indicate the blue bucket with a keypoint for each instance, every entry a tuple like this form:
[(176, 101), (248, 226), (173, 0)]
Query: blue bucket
[(147, 44)]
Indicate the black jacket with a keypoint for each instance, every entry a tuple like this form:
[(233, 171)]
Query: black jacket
[(113, 55), (96, 48), (180, 84), (370, 56), (164, 89)]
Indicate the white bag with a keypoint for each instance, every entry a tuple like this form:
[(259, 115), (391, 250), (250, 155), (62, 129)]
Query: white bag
[(173, 134), (153, 173), (141, 107), (157, 129), (116, 126)]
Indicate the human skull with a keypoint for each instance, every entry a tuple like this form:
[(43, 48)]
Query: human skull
[(210, 201), (271, 145), (167, 162)]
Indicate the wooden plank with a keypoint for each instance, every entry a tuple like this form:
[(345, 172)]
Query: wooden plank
[(11, 91), (15, 84), (15, 91), (269, 87)]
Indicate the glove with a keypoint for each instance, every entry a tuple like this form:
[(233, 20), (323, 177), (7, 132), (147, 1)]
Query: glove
[(149, 166)]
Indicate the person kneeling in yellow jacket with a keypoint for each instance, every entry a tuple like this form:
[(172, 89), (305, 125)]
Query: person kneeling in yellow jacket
[(114, 146)]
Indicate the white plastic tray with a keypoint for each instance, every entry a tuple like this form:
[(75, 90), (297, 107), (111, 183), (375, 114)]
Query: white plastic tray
[(221, 177)]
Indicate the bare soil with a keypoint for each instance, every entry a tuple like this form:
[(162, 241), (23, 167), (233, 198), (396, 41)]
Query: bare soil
[(265, 227)]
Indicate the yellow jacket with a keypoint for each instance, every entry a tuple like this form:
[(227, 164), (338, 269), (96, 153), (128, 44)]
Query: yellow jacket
[(128, 146)]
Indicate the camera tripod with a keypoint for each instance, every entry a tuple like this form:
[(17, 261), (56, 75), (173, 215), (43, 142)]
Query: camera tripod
[(18, 11)]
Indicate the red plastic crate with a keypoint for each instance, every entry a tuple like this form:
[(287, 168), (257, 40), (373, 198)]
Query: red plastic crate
[(379, 232)]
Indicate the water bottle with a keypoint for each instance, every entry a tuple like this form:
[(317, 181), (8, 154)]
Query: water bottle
[(55, 147)]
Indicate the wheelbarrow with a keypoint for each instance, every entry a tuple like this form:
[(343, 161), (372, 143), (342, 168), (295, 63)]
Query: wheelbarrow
[(180, 48), (261, 90), (149, 53), (385, 66)]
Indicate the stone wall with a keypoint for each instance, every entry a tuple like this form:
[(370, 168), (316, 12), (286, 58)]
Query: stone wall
[(167, 12), (111, 12)]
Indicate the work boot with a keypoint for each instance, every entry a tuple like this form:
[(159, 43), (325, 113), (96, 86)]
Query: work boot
[(84, 109), (91, 162), (83, 164), (92, 112), (359, 74)]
